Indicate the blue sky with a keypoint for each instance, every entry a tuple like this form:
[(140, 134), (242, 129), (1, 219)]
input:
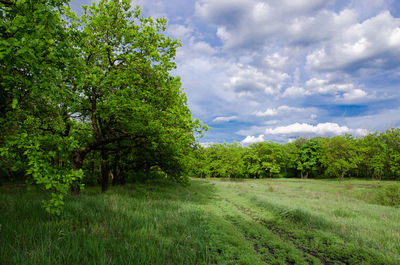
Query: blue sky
[(256, 70)]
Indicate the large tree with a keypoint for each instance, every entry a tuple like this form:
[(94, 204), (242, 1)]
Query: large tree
[(340, 155), (99, 84), (38, 69), (129, 98)]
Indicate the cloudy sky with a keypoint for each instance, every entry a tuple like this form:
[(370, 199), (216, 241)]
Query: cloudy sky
[(257, 70)]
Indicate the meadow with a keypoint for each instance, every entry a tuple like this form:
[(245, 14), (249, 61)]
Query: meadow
[(213, 221)]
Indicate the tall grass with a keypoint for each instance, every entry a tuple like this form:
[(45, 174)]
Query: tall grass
[(209, 222), (136, 224)]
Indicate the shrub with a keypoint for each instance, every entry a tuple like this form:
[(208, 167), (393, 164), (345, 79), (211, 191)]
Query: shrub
[(389, 195)]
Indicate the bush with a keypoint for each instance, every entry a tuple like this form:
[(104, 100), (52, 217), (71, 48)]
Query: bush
[(389, 195)]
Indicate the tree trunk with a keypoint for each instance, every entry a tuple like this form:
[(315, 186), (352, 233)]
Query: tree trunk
[(104, 171), (77, 163), (116, 177)]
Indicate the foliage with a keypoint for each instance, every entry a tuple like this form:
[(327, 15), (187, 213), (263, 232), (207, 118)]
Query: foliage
[(224, 160), (264, 159), (136, 110), (309, 155), (38, 64), (372, 156), (392, 140), (89, 98), (339, 155), (389, 195)]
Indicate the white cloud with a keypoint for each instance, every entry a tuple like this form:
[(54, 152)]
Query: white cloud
[(271, 122), (249, 23), (253, 80), (372, 44), (225, 119), (321, 86), (380, 121), (252, 139), (239, 57), (276, 60), (180, 31), (354, 95), (321, 129), (294, 91), (314, 86), (202, 47), (278, 111)]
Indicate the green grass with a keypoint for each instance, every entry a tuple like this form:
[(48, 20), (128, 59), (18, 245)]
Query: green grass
[(278, 221)]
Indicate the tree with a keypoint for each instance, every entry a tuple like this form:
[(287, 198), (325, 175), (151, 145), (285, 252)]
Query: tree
[(339, 155), (391, 139), (224, 160), (264, 159), (374, 155), (309, 156), (130, 101), (97, 85), (38, 67)]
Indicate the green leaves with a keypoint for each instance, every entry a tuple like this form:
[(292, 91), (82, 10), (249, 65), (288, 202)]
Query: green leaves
[(14, 103)]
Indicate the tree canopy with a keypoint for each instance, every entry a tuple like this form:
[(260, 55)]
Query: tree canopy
[(373, 156), (89, 98)]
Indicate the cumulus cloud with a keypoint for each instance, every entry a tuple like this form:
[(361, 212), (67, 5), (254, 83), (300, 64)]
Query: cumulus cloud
[(250, 23), (321, 129), (202, 47), (271, 122), (253, 80), (294, 91), (240, 57), (252, 139), (372, 44), (315, 86), (354, 94), (180, 31), (321, 86), (225, 119), (275, 60), (278, 111), (340, 41)]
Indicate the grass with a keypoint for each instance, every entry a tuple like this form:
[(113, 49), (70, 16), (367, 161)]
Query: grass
[(278, 221)]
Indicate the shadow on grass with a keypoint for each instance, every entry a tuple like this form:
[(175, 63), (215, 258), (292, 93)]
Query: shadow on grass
[(151, 223)]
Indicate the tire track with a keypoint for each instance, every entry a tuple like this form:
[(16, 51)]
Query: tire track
[(283, 234), (261, 248)]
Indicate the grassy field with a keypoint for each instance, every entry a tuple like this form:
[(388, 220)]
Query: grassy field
[(277, 221)]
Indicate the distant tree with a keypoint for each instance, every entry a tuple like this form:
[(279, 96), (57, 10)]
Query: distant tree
[(225, 160), (373, 152), (265, 159), (252, 163), (339, 155), (289, 160), (309, 156), (391, 139), (199, 163)]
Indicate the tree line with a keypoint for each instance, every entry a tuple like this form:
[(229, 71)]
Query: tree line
[(89, 99), (375, 156)]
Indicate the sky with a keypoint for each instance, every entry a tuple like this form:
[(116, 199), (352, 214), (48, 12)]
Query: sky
[(259, 70)]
